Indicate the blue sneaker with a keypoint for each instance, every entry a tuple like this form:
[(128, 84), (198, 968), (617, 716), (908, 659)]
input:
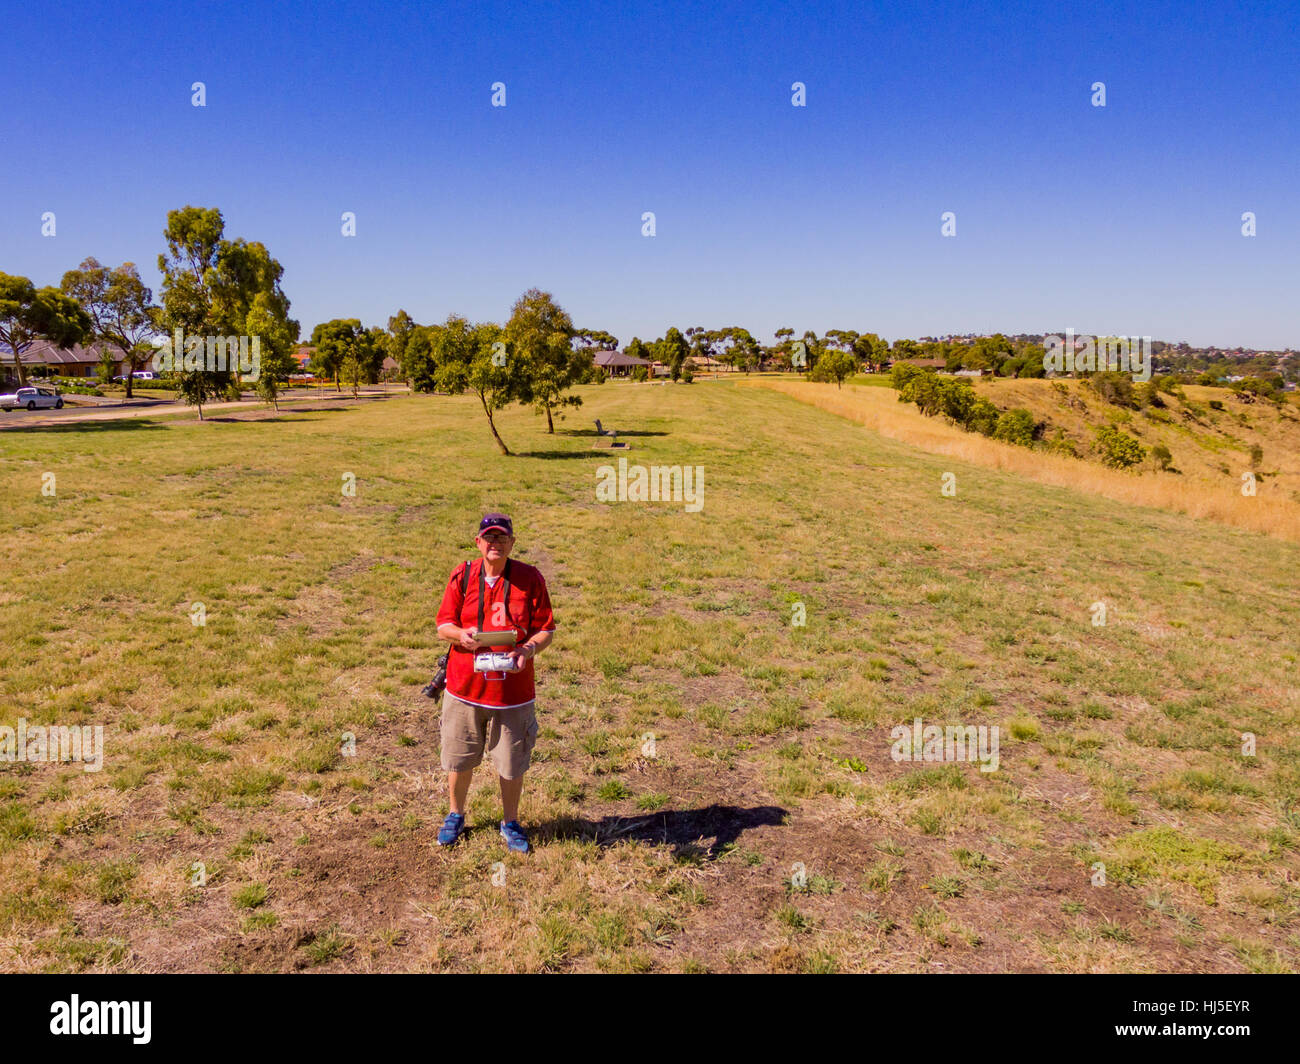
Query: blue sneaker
[(515, 837), (451, 829)]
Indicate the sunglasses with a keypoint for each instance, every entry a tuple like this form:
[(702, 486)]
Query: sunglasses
[(494, 537)]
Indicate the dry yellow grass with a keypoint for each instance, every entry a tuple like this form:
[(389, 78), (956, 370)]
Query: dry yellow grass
[(879, 410)]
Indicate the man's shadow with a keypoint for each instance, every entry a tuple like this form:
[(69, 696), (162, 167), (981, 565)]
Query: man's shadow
[(682, 829)]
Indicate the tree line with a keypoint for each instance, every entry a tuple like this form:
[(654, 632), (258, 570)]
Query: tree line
[(211, 286)]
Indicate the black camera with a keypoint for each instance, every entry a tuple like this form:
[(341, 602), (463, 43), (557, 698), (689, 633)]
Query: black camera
[(435, 687)]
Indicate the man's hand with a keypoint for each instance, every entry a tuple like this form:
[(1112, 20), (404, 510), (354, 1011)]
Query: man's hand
[(522, 654), (467, 640)]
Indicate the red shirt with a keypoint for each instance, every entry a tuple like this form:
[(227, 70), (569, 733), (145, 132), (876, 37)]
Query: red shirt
[(528, 612)]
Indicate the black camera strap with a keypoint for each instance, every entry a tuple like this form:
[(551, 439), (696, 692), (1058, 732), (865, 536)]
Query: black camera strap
[(481, 582)]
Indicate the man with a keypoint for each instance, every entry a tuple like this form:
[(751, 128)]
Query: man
[(491, 710)]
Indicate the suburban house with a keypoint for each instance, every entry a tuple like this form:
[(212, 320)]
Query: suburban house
[(617, 364), (706, 362), (44, 359), (302, 356)]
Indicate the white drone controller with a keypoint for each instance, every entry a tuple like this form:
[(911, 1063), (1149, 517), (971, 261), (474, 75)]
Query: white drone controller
[(494, 661)]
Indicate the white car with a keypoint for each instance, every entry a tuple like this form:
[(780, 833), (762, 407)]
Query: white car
[(31, 399)]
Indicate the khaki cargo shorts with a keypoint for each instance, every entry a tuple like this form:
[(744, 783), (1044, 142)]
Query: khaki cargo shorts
[(508, 735)]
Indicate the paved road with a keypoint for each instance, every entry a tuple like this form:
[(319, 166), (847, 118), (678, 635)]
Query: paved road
[(299, 399)]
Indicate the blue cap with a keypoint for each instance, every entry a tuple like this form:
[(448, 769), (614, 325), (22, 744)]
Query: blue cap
[(500, 521)]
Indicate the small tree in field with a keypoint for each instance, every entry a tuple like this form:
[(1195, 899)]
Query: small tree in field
[(199, 388), (106, 366), (278, 337), (363, 358), (835, 365), (465, 358), (335, 342), (539, 343)]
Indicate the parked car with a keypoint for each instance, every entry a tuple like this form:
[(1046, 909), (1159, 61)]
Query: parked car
[(31, 399)]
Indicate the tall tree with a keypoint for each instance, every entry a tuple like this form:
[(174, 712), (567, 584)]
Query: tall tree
[(597, 338), (418, 365), (673, 352), (781, 350), (120, 308), (28, 314), (193, 237), (212, 285), (335, 342), (279, 337), (745, 350), (700, 347), (463, 355), (841, 339), (401, 327), (364, 358), (872, 350), (636, 349), (540, 350), (904, 348), (813, 348)]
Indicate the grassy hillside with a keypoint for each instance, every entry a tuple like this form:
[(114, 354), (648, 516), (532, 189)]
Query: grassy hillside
[(1208, 444), (1211, 449), (1121, 744)]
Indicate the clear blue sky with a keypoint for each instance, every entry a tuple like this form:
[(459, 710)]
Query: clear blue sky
[(1117, 220)]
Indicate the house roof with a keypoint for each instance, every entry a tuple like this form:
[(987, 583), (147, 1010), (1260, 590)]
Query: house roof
[(923, 362), (617, 358), (44, 353)]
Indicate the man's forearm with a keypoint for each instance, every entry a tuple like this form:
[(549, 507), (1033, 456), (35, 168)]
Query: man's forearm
[(539, 641)]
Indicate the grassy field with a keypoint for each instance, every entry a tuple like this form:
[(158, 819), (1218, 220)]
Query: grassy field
[(766, 828)]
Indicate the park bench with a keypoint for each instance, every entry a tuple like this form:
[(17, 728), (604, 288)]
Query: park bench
[(611, 433)]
